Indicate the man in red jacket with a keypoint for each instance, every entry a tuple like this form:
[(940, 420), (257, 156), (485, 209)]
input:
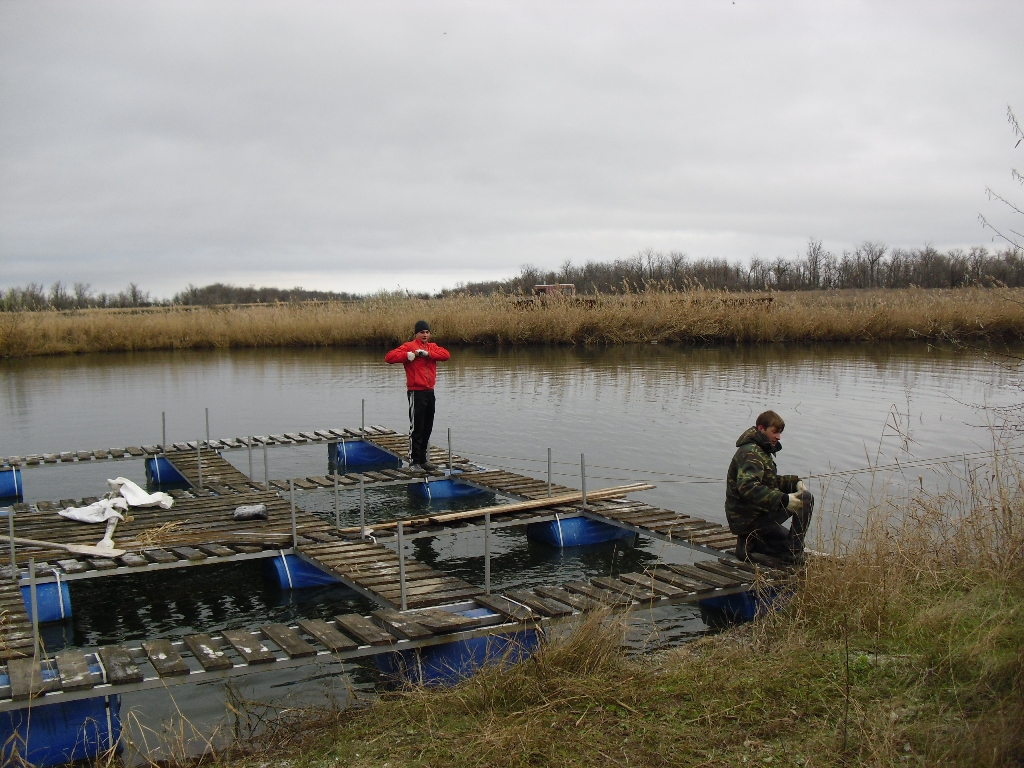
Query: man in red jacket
[(419, 357)]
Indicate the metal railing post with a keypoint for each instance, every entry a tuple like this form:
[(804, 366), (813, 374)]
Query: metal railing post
[(266, 467), (199, 461), (583, 478), (401, 564), (487, 552), (549, 472), (249, 444), (207, 427), (450, 467), (362, 508), (337, 507), (34, 603), (10, 535), (362, 420), (291, 499), (163, 424)]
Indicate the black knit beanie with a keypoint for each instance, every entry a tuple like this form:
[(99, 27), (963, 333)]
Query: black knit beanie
[(421, 325)]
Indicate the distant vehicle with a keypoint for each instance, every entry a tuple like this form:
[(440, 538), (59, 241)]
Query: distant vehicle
[(556, 289)]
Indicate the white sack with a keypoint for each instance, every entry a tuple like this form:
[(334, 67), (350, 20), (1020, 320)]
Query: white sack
[(136, 497), (100, 512)]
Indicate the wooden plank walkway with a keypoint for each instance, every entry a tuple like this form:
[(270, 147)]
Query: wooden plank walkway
[(133, 452), (77, 673), (373, 570)]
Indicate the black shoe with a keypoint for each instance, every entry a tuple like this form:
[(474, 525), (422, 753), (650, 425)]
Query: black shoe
[(741, 547), (426, 466)]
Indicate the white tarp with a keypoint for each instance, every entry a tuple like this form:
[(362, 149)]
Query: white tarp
[(136, 497), (98, 512), (130, 494)]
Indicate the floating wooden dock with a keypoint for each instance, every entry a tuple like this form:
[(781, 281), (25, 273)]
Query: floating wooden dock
[(200, 530), (85, 673)]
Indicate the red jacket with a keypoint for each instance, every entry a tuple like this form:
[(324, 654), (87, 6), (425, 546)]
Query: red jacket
[(421, 372)]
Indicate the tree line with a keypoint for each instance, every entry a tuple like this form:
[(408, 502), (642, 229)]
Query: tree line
[(35, 297), (870, 265)]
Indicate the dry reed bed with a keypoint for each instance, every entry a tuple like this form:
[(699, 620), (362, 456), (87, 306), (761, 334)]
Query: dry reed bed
[(693, 317)]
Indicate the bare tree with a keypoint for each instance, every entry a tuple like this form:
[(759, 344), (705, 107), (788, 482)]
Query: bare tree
[(1014, 238)]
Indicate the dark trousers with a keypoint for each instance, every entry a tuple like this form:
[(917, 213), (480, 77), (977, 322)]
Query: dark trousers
[(769, 537), (421, 423)]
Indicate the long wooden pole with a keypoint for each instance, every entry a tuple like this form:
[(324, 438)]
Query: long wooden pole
[(519, 506)]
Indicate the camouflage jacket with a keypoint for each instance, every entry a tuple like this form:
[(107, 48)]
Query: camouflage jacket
[(753, 487)]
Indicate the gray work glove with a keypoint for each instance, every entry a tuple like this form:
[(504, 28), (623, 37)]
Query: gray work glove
[(410, 356), (794, 503), (422, 353)]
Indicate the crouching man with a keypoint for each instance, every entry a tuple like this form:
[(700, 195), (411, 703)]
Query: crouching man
[(758, 500)]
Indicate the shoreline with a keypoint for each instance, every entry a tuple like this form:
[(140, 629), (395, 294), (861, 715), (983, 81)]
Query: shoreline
[(695, 318)]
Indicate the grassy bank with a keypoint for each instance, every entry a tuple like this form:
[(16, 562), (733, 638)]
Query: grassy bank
[(692, 317), (907, 650)]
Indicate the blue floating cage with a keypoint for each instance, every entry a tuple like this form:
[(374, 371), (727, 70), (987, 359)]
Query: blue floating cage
[(359, 454), (291, 572), (448, 663), (576, 532), (160, 471), (447, 488), (56, 734), (10, 485), (745, 606), (53, 601)]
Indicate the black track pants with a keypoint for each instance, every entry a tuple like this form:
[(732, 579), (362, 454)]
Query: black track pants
[(421, 423)]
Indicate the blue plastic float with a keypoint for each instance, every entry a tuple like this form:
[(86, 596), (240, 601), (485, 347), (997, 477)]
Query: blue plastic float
[(160, 471), (358, 454), (56, 734), (10, 485), (448, 663), (53, 601), (447, 488), (745, 606), (291, 572), (575, 532)]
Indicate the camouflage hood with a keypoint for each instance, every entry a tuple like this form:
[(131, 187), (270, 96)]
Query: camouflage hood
[(756, 438)]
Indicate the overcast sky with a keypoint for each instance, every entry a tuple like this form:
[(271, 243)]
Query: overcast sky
[(358, 146)]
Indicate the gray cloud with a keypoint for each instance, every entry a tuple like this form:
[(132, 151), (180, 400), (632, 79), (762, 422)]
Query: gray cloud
[(356, 146)]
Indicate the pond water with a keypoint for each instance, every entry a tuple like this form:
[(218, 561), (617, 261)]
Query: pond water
[(665, 414)]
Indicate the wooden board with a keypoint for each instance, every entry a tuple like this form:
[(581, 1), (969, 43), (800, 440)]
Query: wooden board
[(26, 679), (327, 635), (702, 575), (440, 621), (119, 664), (578, 602), (505, 607), (363, 630), (73, 668), (207, 652), (400, 624), (652, 586), (165, 659), (288, 640), (541, 605), (596, 593), (622, 588), (690, 585), (249, 647), (159, 556)]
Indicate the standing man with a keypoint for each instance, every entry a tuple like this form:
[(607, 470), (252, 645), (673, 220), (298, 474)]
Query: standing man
[(419, 357), (758, 500)]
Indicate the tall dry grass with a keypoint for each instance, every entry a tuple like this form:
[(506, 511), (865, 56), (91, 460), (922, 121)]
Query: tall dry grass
[(667, 316)]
